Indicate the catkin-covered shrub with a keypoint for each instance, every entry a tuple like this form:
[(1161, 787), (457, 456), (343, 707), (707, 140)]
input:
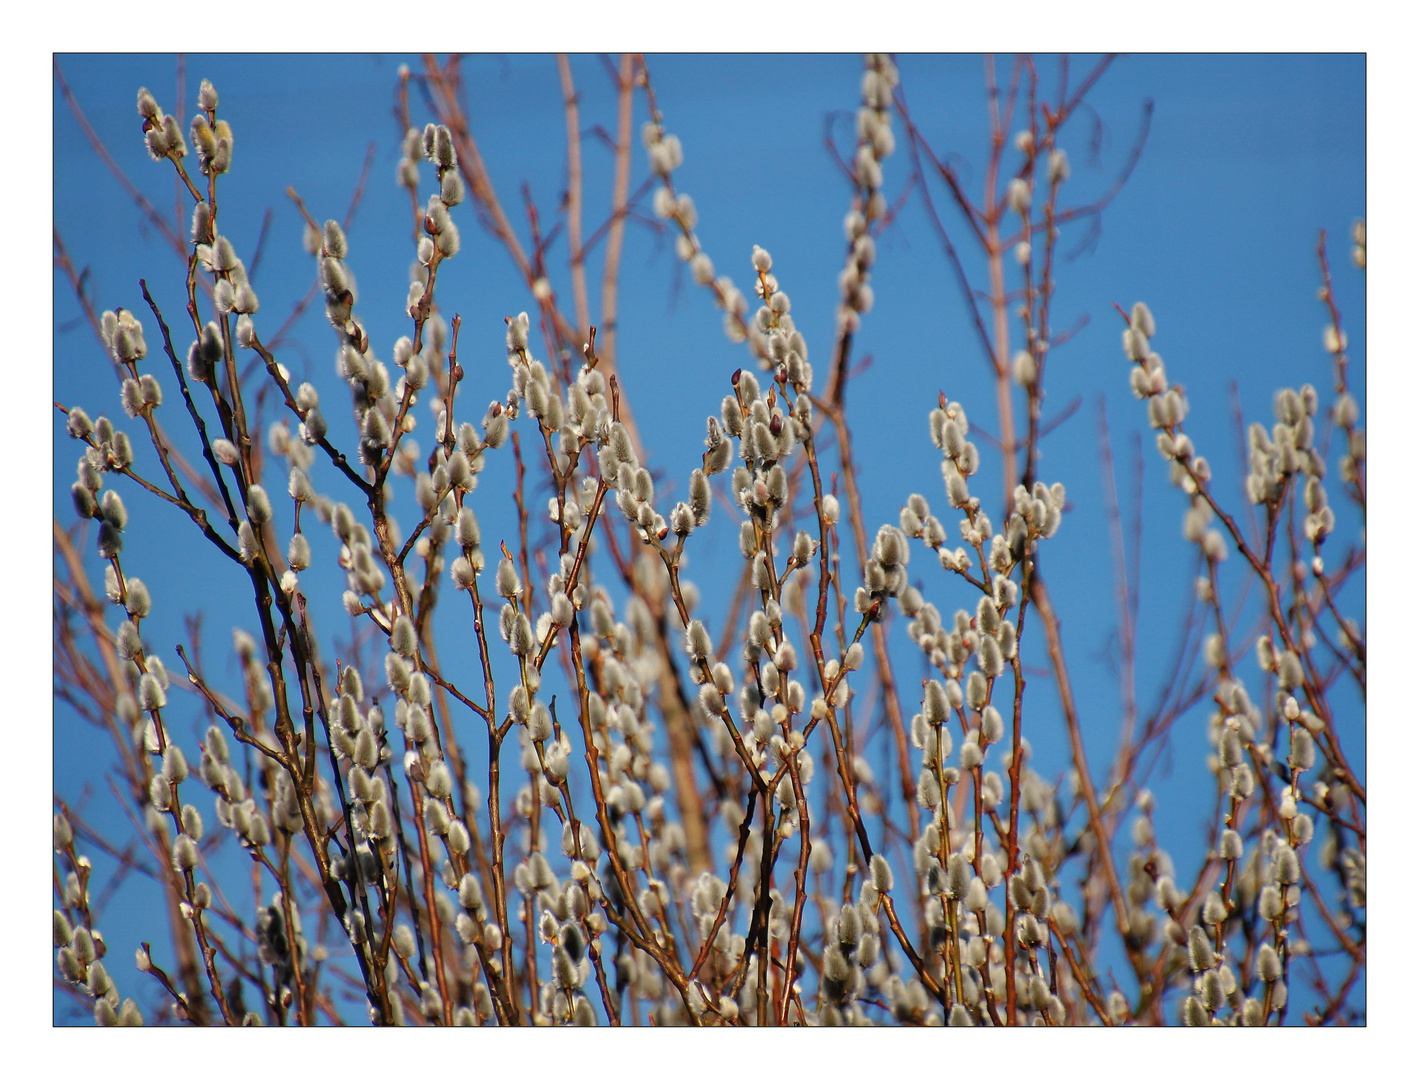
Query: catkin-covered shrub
[(487, 748)]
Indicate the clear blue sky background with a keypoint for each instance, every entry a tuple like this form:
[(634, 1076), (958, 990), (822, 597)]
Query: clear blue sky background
[(1247, 159)]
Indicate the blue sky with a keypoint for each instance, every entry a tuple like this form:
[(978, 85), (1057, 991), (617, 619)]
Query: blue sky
[(1247, 158)]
